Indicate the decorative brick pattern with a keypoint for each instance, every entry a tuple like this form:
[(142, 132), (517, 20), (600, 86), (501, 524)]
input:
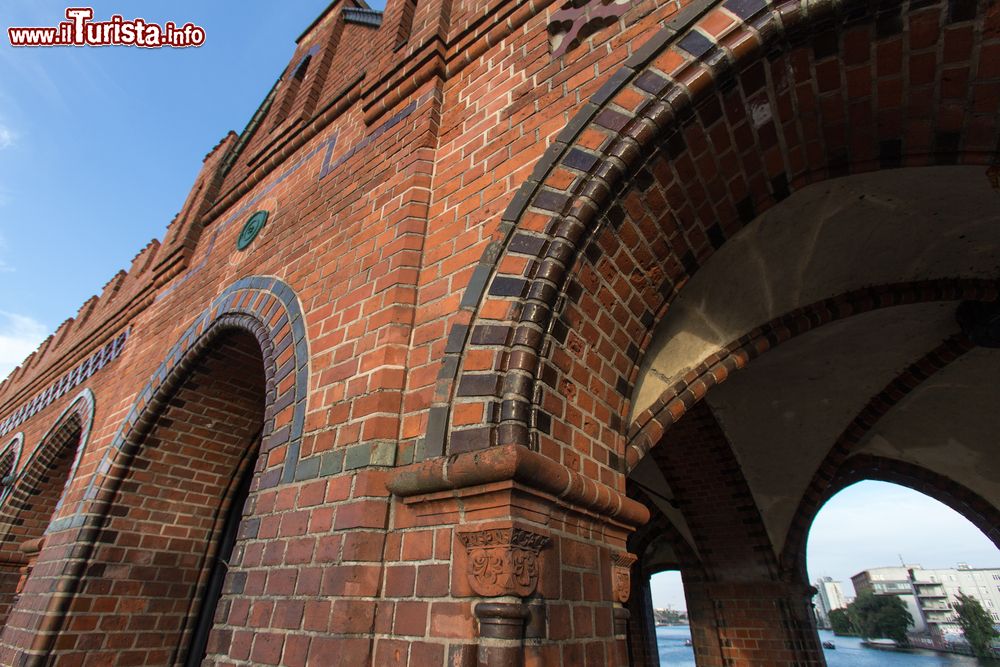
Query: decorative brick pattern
[(578, 19), (67, 383), (664, 165), (503, 561)]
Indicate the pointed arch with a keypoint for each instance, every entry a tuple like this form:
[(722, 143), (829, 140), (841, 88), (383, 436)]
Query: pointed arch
[(708, 125), (40, 486), (263, 310)]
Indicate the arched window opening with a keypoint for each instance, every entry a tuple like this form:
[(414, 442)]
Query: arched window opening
[(29, 503), (670, 615), (875, 545), (170, 532)]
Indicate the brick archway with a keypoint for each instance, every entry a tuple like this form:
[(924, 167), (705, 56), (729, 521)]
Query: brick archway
[(37, 491), (843, 466), (861, 467), (255, 322), (67, 438), (665, 165), (642, 646)]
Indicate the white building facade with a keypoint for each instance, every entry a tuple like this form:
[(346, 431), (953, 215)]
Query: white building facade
[(931, 594), (829, 596)]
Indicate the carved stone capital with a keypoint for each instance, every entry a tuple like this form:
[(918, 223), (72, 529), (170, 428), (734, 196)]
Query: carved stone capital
[(503, 561), (621, 574)]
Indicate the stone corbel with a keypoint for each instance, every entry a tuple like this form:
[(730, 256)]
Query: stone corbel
[(621, 575), (503, 561)]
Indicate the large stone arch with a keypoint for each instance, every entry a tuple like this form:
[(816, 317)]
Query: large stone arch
[(36, 491), (580, 252), (95, 532), (733, 109)]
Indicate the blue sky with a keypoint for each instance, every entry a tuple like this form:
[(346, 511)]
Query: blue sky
[(99, 147)]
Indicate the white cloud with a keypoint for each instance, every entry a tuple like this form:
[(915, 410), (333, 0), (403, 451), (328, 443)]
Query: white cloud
[(20, 335), (7, 136)]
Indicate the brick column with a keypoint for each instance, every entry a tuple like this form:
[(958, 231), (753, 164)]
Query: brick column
[(753, 623), (538, 558), (642, 648)]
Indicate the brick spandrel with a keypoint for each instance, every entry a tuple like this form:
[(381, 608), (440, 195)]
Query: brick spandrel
[(426, 360)]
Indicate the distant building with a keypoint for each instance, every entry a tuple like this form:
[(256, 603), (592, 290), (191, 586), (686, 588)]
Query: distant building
[(829, 596), (930, 595)]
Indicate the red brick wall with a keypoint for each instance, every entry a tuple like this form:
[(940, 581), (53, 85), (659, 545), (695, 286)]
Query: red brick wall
[(410, 296)]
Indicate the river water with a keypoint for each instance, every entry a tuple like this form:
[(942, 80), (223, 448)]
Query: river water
[(849, 653)]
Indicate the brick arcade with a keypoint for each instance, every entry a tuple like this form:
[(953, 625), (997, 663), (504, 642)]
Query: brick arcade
[(495, 309)]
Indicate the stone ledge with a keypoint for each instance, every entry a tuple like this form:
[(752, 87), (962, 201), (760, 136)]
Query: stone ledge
[(519, 464)]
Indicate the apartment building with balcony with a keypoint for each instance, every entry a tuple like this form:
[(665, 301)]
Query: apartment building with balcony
[(931, 594)]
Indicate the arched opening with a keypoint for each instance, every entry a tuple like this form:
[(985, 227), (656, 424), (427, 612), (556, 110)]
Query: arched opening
[(10, 569), (799, 357), (32, 495), (900, 543), (151, 585), (673, 631), (706, 525)]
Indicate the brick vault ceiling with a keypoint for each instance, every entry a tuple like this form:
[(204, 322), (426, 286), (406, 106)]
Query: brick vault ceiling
[(785, 410), (827, 239)]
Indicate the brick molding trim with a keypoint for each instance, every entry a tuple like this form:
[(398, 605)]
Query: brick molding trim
[(503, 560)]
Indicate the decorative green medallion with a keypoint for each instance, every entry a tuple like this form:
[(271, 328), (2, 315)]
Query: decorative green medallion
[(251, 229)]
